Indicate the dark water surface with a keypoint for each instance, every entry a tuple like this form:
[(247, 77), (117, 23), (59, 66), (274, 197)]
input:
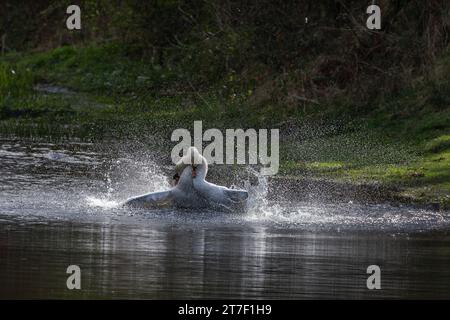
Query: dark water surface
[(59, 207)]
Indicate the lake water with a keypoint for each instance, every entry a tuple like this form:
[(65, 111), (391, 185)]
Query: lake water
[(59, 206)]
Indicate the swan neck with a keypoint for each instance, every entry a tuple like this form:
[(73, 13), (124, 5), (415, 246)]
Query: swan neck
[(202, 169)]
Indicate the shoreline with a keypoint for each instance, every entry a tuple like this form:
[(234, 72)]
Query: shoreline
[(360, 192)]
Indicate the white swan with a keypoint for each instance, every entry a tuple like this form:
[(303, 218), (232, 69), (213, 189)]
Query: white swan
[(214, 194), (192, 190)]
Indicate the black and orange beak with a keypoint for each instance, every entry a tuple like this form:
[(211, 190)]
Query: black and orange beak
[(176, 177)]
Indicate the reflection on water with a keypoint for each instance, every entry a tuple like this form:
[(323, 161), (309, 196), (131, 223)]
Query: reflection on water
[(172, 261), (61, 209)]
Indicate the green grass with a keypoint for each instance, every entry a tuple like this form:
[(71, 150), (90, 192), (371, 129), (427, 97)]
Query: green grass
[(402, 141), (105, 69), (15, 83), (109, 75)]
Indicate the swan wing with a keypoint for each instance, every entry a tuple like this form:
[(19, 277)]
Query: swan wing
[(236, 195), (152, 199), (219, 194)]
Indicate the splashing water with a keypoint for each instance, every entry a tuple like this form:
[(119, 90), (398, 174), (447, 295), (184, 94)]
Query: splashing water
[(35, 184), (258, 204), (125, 178), (102, 203)]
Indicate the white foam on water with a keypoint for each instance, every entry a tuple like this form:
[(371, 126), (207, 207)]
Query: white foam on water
[(102, 203)]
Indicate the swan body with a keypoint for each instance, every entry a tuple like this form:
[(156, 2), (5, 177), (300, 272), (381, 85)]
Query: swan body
[(192, 190), (182, 195)]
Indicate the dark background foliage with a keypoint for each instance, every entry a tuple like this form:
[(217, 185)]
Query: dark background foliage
[(264, 43)]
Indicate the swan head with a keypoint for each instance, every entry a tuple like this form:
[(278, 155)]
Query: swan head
[(175, 179), (192, 158)]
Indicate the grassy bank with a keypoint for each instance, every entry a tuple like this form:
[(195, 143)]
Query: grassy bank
[(400, 141)]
